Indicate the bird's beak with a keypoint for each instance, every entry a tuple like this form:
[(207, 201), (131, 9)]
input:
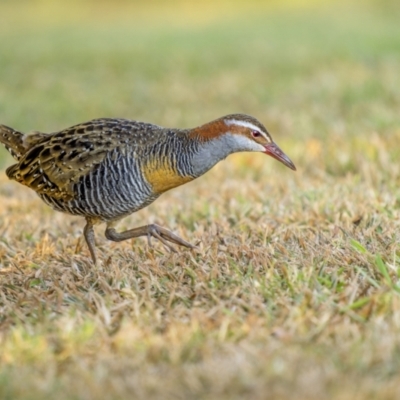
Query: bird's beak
[(274, 151)]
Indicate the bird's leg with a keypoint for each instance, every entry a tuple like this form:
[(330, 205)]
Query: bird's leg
[(89, 237), (153, 230)]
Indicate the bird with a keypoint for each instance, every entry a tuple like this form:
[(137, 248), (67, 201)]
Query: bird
[(108, 168)]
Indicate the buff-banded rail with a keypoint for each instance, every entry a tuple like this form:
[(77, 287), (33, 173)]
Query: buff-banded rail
[(108, 168)]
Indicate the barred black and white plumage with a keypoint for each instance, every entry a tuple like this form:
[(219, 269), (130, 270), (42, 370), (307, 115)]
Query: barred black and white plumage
[(106, 169)]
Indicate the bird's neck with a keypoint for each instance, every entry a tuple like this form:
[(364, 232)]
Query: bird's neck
[(186, 155), (213, 143)]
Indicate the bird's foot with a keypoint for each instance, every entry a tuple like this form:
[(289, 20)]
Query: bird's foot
[(165, 236)]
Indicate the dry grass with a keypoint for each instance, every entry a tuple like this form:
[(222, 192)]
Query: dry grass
[(293, 291)]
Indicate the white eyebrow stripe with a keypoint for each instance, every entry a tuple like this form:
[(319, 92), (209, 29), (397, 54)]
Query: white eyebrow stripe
[(246, 124)]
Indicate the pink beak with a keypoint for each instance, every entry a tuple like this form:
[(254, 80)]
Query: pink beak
[(274, 151)]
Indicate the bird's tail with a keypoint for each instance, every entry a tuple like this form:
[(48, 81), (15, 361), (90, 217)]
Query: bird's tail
[(13, 141)]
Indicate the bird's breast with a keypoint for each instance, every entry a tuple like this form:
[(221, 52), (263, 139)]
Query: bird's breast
[(163, 174)]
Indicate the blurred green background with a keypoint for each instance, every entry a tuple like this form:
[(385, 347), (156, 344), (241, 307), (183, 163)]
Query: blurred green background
[(307, 69)]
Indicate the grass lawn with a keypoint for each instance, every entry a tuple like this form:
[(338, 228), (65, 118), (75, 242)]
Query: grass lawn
[(294, 289)]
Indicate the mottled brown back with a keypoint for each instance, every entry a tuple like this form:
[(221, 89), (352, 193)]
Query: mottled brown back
[(51, 163)]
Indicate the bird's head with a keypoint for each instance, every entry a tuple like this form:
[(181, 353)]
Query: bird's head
[(244, 133)]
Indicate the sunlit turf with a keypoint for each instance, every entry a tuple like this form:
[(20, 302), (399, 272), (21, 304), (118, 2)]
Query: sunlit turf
[(294, 288)]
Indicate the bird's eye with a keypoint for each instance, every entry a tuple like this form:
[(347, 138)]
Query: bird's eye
[(255, 134)]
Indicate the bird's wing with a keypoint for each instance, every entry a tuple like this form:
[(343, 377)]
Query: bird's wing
[(55, 163)]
